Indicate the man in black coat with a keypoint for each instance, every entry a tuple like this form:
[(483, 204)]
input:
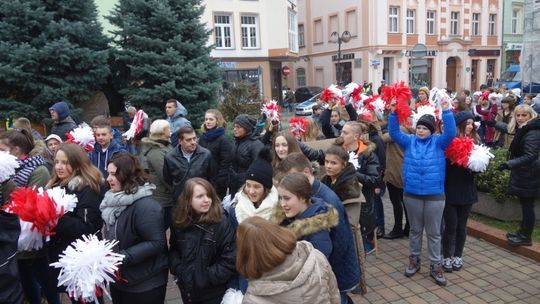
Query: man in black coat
[(185, 161)]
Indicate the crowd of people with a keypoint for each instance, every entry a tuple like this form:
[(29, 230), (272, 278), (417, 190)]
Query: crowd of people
[(267, 213)]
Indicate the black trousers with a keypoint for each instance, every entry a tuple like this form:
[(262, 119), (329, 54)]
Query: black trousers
[(396, 198), (455, 229), (152, 296), (527, 215)]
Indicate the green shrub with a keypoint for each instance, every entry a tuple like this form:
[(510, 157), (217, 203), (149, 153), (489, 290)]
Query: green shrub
[(241, 98), (493, 181)]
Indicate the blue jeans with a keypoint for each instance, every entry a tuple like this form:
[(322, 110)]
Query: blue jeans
[(34, 273)]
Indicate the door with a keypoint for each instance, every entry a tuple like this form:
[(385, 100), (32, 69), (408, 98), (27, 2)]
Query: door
[(451, 73), (474, 75)]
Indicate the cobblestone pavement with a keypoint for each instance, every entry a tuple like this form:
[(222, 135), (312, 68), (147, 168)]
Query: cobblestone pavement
[(490, 275)]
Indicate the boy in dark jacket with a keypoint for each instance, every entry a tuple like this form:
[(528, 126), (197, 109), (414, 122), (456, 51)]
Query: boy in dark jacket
[(105, 148)]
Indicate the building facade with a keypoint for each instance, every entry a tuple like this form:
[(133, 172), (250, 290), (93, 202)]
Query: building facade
[(463, 40), (512, 40), (252, 39)]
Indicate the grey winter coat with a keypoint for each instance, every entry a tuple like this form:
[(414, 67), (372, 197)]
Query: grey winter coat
[(152, 159)]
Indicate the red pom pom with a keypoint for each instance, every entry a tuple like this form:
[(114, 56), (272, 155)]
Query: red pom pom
[(459, 151), (327, 95), (356, 93), (298, 126), (402, 94)]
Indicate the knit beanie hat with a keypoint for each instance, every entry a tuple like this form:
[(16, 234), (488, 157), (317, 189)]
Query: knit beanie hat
[(61, 108), (462, 116), (427, 121), (245, 121), (425, 90), (260, 169)]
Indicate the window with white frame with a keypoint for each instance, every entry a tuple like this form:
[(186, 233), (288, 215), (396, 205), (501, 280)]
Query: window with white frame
[(515, 14), (410, 21), (301, 38), (317, 31), (300, 77), (454, 23), (393, 19), (333, 24), (293, 34), (430, 23), (351, 22), (250, 29), (223, 31), (491, 26), (475, 24)]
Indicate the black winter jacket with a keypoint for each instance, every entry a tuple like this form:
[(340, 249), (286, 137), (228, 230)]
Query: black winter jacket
[(244, 152), (459, 185), (202, 257), (63, 126), (10, 286), (524, 162), (177, 169), (220, 148), (140, 233)]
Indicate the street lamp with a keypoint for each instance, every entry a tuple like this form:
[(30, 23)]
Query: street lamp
[(336, 38)]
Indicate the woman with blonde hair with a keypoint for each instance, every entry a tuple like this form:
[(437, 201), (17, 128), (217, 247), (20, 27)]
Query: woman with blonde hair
[(524, 166), (281, 270)]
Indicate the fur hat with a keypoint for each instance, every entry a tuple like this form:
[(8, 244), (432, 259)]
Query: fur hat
[(61, 108), (245, 121), (260, 169), (463, 116), (428, 121)]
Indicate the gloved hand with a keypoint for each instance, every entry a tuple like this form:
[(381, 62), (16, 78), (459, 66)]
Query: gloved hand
[(503, 166)]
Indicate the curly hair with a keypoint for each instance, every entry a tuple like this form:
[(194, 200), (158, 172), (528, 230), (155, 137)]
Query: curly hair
[(129, 172)]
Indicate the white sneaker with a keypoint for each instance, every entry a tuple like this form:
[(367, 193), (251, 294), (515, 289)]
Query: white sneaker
[(447, 264), (457, 264)]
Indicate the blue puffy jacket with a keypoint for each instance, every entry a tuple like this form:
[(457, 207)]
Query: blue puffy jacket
[(424, 162)]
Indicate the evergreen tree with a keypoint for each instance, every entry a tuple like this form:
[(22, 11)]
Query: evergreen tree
[(51, 50), (162, 54)]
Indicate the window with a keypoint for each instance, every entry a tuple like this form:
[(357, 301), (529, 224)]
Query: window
[(223, 31), (293, 35), (454, 23), (300, 77), (250, 30), (430, 23), (515, 14), (318, 31), (333, 25), (491, 27), (410, 21), (475, 24), (393, 19), (301, 41), (351, 23)]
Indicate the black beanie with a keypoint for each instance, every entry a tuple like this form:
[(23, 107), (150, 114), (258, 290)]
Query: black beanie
[(260, 169), (463, 116), (246, 121), (428, 121)]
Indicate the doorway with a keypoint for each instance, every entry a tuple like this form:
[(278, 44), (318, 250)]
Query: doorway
[(453, 73), (474, 75)]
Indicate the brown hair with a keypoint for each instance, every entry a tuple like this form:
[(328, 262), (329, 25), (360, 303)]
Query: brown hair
[(297, 161), (21, 138), (292, 146), (184, 130), (338, 151), (261, 246), (220, 121), (462, 104), (461, 131), (312, 131), (100, 121), (184, 215), (129, 172), (81, 166), (510, 101), (298, 184)]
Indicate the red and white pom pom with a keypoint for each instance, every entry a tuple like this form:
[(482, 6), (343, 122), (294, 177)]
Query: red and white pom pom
[(479, 158), (365, 115), (272, 110), (136, 125), (332, 92), (64, 202), (29, 238), (86, 266), (298, 126), (401, 94), (421, 111), (348, 92), (437, 97), (83, 136), (8, 164), (376, 104)]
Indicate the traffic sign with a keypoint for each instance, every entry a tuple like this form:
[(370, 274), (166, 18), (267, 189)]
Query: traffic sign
[(419, 51)]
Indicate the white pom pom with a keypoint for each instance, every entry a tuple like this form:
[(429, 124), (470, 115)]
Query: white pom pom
[(86, 266), (421, 111), (479, 158), (29, 239), (83, 135), (232, 296), (8, 164), (353, 159), (64, 202), (379, 106)]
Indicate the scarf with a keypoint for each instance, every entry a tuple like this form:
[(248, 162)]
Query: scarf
[(115, 202), (26, 167), (213, 134), (244, 207)]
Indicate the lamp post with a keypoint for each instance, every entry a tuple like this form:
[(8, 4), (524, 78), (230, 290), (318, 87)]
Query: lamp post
[(339, 39)]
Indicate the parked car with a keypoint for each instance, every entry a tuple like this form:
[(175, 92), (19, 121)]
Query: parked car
[(306, 108), (304, 93)]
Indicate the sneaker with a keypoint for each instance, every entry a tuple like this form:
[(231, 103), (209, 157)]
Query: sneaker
[(457, 264), (447, 265), (369, 246), (394, 234), (414, 266), (437, 274), (519, 240)]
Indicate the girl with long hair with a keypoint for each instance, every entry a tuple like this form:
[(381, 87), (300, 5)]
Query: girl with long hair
[(202, 245)]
